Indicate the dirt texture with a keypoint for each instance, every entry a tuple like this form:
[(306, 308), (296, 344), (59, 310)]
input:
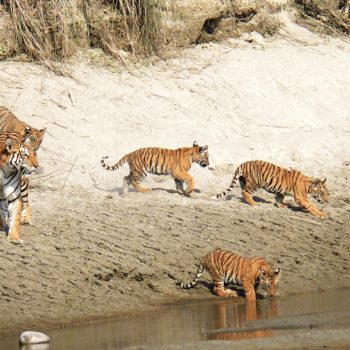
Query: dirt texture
[(91, 253), (88, 256)]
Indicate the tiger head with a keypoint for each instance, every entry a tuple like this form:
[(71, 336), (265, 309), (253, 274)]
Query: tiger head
[(34, 136), (200, 155), (269, 281), (21, 156), (319, 191)]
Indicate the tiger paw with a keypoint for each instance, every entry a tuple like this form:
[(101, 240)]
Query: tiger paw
[(14, 239), (281, 205), (25, 221)]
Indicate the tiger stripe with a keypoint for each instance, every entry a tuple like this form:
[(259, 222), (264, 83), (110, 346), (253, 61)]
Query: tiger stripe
[(10, 123), (161, 161), (227, 267), (256, 174), (17, 159)]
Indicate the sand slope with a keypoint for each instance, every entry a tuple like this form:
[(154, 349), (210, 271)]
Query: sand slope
[(93, 253)]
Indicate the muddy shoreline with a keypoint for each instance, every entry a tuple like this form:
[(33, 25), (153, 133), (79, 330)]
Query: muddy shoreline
[(90, 257)]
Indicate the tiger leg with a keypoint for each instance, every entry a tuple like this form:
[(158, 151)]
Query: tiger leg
[(135, 179), (26, 218), (3, 213), (247, 190), (126, 183), (25, 215), (221, 291), (248, 198), (309, 207), (186, 177), (14, 217), (179, 186), (279, 200), (249, 291)]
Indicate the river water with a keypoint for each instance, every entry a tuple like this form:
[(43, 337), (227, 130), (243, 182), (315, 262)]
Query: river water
[(205, 320)]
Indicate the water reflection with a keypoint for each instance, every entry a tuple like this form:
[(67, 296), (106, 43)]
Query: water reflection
[(233, 318), (198, 321)]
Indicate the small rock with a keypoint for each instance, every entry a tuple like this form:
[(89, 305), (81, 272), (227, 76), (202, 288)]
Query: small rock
[(30, 337), (253, 37)]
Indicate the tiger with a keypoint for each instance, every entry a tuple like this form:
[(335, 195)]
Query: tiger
[(8, 123), (256, 174), (227, 267), (17, 159), (162, 161)]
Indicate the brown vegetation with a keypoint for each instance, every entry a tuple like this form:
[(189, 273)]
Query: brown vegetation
[(326, 16)]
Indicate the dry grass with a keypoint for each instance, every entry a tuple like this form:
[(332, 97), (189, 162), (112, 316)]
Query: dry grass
[(51, 30), (325, 16)]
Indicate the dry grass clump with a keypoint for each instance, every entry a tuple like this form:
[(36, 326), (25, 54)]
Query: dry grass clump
[(44, 30), (52, 30), (325, 16), (130, 25)]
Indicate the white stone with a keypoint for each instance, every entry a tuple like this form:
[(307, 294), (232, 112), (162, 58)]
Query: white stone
[(30, 337)]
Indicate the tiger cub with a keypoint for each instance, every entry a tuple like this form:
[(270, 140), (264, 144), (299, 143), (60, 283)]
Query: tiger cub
[(162, 161), (10, 123), (257, 174), (227, 267)]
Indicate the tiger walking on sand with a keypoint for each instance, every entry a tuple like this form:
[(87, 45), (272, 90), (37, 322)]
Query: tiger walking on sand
[(256, 174), (162, 161)]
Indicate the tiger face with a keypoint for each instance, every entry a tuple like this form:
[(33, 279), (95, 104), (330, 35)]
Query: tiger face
[(269, 282), (201, 155), (34, 136), (21, 156), (319, 191)]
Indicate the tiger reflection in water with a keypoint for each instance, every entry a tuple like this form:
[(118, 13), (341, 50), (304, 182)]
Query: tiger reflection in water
[(233, 316)]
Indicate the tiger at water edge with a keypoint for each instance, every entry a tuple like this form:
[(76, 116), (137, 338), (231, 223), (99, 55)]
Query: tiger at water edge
[(256, 174), (227, 267), (162, 161), (10, 123), (17, 159)]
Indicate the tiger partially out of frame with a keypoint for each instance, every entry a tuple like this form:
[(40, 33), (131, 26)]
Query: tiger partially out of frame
[(227, 267), (162, 161), (10, 123), (17, 159), (256, 174)]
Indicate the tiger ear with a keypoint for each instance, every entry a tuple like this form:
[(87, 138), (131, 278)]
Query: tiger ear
[(277, 275), (27, 131), (203, 149), (42, 131), (195, 143), (324, 181), (9, 145)]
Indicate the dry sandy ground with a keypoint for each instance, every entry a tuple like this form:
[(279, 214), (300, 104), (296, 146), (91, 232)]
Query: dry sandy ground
[(93, 253)]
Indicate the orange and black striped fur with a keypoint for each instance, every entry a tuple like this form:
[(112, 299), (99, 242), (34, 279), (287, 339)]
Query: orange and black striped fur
[(257, 174), (17, 159), (162, 161), (10, 123), (227, 267)]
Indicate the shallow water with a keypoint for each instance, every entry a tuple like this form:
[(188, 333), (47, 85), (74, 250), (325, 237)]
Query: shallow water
[(214, 319)]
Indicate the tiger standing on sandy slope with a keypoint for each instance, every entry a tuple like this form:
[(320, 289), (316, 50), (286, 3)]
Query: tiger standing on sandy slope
[(17, 159), (10, 123), (227, 267), (162, 161), (257, 174)]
